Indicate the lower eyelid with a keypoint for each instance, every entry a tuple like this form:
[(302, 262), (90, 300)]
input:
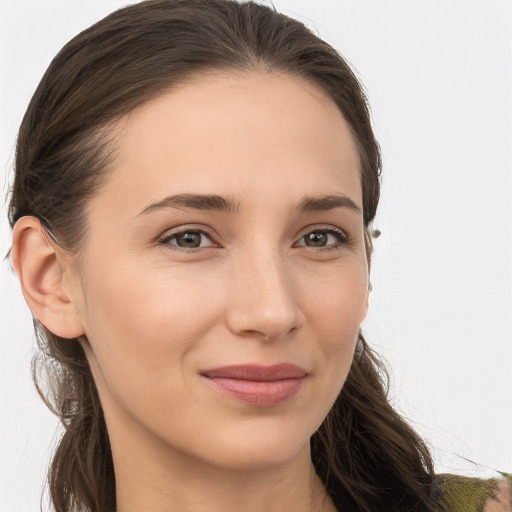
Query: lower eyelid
[(167, 238), (340, 236)]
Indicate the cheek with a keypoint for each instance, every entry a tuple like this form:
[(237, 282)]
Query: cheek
[(153, 304), (149, 323), (155, 317), (339, 301), (143, 325), (337, 305)]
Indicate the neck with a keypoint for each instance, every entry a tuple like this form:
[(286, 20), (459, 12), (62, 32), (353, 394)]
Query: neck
[(159, 479)]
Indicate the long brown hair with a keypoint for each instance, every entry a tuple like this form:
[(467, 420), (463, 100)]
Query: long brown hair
[(366, 455)]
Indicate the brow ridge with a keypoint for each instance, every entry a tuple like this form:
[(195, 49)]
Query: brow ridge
[(214, 202), (196, 201), (324, 203)]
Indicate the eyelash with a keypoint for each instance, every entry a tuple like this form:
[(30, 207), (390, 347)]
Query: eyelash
[(340, 236)]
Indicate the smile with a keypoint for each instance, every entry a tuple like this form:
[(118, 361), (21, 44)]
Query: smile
[(261, 386)]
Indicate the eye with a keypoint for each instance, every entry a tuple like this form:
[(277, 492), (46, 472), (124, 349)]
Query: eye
[(324, 238), (188, 239)]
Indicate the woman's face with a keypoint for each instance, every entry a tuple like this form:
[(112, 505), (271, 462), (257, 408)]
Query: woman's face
[(225, 275)]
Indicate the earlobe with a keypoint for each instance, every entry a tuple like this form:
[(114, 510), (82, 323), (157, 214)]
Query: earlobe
[(41, 276)]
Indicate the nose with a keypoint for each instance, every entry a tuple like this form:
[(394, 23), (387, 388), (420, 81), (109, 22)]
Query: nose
[(263, 298)]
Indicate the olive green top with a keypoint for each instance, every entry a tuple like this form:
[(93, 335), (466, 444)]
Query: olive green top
[(466, 494)]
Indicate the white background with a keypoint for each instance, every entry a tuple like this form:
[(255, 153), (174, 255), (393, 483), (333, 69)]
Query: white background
[(439, 80)]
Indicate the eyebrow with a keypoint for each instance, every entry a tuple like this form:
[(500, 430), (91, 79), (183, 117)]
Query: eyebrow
[(324, 203), (197, 201), (214, 202)]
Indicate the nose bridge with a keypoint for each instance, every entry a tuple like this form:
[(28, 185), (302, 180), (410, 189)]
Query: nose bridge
[(263, 298)]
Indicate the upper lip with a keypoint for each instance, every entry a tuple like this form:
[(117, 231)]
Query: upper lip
[(257, 372)]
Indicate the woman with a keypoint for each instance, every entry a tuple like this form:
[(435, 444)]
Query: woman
[(192, 212)]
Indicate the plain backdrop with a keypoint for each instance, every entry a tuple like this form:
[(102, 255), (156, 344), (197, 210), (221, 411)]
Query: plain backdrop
[(439, 81)]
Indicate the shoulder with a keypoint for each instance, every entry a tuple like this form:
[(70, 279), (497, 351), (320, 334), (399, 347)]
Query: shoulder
[(503, 498), (466, 494)]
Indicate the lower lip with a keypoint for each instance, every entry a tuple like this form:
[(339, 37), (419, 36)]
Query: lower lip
[(258, 393)]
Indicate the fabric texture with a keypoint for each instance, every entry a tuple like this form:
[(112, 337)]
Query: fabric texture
[(466, 494)]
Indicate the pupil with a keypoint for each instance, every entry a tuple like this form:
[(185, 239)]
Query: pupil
[(316, 238), (190, 240)]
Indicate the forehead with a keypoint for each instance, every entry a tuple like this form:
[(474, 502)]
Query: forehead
[(251, 134)]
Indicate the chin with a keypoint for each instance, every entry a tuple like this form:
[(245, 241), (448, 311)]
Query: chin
[(257, 445), (251, 457)]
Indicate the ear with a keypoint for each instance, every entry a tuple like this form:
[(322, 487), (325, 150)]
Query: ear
[(366, 303), (41, 274)]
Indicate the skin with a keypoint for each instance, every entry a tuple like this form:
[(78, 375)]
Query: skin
[(152, 317)]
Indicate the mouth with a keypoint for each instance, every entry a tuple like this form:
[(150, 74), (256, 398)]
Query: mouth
[(256, 385)]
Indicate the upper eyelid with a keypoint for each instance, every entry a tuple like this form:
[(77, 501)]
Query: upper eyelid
[(323, 227), (330, 230), (209, 233), (176, 231)]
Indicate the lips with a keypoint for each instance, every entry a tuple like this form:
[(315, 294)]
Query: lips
[(256, 385)]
